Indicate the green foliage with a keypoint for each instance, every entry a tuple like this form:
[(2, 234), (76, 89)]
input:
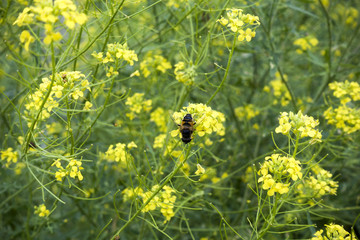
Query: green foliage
[(92, 93)]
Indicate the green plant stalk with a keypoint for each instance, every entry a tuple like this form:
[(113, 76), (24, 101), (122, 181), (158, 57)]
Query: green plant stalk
[(226, 71), (275, 210), (31, 129), (155, 193), (223, 219), (70, 132), (101, 111), (296, 145), (329, 57)]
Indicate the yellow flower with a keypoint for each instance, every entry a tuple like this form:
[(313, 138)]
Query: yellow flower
[(87, 106), (24, 18), (185, 73), (206, 120), (318, 184), (333, 232), (137, 104), (98, 56), (305, 44), (240, 23), (154, 63), (200, 170), (159, 141), (25, 37), (247, 112), (301, 125), (9, 156), (159, 117), (41, 210), (276, 171), (131, 145)]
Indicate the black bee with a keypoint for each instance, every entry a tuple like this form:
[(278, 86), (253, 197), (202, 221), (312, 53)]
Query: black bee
[(187, 128)]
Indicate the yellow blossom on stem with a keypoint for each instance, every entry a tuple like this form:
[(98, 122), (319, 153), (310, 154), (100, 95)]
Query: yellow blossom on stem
[(137, 104), (240, 23), (164, 200), (200, 170), (305, 44), (41, 210), (159, 117), (185, 73), (333, 232), (25, 37), (299, 124), (9, 156), (318, 184), (49, 13), (346, 116), (247, 112), (276, 171), (153, 63), (207, 121), (159, 141)]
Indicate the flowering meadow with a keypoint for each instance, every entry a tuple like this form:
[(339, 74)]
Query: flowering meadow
[(180, 119)]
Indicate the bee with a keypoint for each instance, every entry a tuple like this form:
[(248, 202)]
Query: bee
[(187, 128)]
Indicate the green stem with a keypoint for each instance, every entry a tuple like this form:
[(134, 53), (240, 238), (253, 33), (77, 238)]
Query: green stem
[(296, 145), (31, 129), (101, 111), (275, 210), (329, 57), (70, 131), (155, 193), (226, 72)]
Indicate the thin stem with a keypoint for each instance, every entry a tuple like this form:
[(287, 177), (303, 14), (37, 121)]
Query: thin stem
[(296, 145), (226, 71), (31, 129), (329, 58)]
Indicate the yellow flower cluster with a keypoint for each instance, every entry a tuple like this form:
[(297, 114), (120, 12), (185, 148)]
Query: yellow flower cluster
[(130, 193), (9, 156), (301, 125), (137, 104), (159, 117), (41, 210), (119, 153), (247, 112), (347, 14), (279, 90), (159, 141), (115, 52), (72, 83), (50, 12), (305, 44), (164, 199), (207, 121), (333, 232), (72, 169), (185, 74), (154, 63), (276, 170), (240, 23), (316, 186), (346, 116)]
